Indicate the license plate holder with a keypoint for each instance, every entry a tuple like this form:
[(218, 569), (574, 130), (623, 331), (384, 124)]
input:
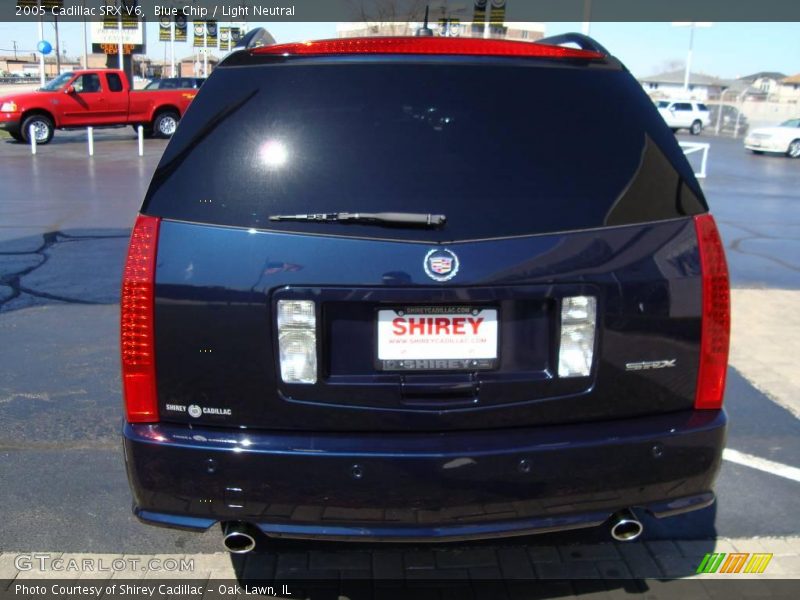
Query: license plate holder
[(437, 338)]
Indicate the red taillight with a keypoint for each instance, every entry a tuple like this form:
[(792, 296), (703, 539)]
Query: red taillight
[(425, 45), (715, 335), (136, 320)]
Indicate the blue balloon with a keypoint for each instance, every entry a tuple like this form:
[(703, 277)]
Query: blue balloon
[(45, 47)]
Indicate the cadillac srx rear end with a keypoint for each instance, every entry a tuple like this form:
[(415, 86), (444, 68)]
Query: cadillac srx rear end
[(422, 289)]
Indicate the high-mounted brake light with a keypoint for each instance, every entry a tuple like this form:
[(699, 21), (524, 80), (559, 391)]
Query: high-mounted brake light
[(715, 330), (426, 45), (136, 323)]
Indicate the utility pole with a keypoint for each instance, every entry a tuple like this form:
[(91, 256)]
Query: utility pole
[(14, 42), (41, 38), (171, 49), (85, 42), (587, 17), (688, 69), (58, 49), (205, 50), (120, 47)]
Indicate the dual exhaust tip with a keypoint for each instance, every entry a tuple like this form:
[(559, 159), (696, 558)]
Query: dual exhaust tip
[(240, 538)]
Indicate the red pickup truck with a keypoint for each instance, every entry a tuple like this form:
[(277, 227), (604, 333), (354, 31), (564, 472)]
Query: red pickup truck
[(91, 98)]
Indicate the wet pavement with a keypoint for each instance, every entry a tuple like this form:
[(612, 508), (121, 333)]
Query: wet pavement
[(756, 202), (64, 221)]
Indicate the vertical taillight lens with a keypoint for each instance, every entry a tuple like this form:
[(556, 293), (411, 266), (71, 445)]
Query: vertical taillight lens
[(576, 347), (715, 332), (136, 323)]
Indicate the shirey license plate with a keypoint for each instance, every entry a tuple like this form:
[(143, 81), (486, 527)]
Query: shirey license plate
[(437, 338)]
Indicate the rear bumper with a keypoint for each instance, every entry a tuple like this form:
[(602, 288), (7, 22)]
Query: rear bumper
[(766, 145), (459, 485)]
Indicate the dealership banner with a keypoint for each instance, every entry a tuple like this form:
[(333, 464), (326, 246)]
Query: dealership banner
[(166, 27), (479, 14), (126, 11), (498, 12), (229, 37), (172, 22), (205, 34), (181, 25)]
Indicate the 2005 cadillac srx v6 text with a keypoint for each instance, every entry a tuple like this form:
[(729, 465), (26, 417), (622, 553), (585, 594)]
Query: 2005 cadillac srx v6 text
[(422, 289)]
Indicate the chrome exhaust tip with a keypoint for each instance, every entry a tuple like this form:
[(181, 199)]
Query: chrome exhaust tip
[(238, 538), (625, 527)]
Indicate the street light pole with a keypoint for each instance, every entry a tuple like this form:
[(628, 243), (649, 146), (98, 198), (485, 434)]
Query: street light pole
[(85, 40), (687, 70), (688, 59), (120, 48), (41, 38), (58, 47), (587, 17), (205, 50), (172, 48)]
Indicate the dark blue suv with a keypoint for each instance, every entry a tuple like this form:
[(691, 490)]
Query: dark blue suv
[(422, 289)]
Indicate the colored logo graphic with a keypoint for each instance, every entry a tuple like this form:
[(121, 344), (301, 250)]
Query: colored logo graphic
[(440, 264), (734, 562)]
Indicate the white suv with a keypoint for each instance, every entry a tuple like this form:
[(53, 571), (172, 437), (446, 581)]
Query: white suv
[(684, 115)]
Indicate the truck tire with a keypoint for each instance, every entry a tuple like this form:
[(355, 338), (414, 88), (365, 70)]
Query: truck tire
[(165, 123), (696, 128), (43, 126)]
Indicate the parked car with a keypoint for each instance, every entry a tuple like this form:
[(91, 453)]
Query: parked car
[(175, 83), (94, 98), (731, 119), (399, 309), (688, 114), (784, 138)]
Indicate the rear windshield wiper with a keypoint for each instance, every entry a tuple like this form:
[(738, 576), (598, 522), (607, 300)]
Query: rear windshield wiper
[(381, 218)]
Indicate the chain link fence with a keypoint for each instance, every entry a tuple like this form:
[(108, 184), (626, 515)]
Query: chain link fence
[(733, 117)]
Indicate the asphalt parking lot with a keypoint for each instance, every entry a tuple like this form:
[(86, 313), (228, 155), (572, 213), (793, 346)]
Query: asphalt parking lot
[(64, 222)]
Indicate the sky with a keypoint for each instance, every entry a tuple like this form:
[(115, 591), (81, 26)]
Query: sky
[(726, 50)]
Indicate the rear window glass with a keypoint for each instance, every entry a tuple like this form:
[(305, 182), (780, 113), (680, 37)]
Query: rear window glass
[(500, 149)]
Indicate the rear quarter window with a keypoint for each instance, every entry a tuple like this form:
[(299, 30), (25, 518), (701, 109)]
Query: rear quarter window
[(114, 82), (505, 149)]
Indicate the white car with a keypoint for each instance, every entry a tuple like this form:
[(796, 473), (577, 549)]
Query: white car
[(784, 138), (684, 115)]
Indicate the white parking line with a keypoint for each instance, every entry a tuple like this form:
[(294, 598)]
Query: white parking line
[(762, 464)]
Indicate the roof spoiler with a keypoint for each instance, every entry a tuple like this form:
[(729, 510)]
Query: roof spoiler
[(584, 42), (255, 38)]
